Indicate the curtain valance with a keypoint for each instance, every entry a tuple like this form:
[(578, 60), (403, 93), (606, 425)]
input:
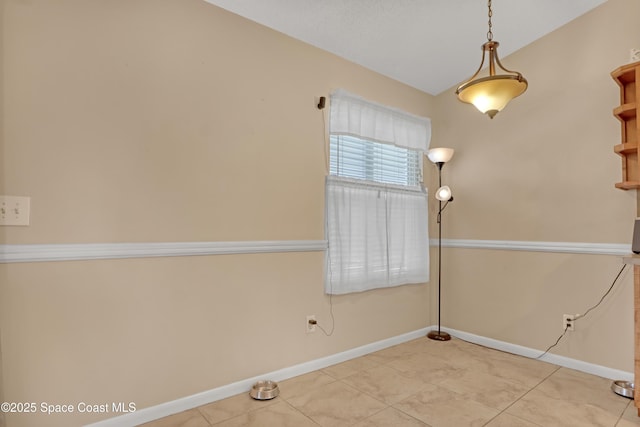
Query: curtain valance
[(353, 115)]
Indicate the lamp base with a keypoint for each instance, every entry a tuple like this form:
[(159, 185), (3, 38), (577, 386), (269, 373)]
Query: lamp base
[(439, 336)]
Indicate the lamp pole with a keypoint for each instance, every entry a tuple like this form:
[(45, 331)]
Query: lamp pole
[(439, 335)]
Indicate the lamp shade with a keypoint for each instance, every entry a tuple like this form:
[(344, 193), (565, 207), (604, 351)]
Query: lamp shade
[(440, 155), (491, 94), (443, 193)]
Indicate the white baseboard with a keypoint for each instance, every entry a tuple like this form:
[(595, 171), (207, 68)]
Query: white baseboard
[(578, 365), (169, 408), (243, 386)]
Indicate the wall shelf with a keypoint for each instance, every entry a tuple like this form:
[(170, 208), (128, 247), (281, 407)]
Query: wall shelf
[(627, 148), (627, 77), (625, 112)]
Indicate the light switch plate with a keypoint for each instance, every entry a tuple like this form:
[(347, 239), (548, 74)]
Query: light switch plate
[(14, 210)]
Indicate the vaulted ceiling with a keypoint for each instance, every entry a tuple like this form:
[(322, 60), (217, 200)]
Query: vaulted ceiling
[(431, 45)]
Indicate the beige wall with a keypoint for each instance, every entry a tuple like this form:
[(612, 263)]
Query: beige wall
[(162, 121), (2, 278), (544, 170)]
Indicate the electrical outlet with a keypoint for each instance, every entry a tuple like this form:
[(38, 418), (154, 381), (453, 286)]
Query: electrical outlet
[(311, 323), (569, 322)]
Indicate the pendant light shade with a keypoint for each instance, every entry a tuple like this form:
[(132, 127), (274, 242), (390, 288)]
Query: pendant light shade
[(492, 93)]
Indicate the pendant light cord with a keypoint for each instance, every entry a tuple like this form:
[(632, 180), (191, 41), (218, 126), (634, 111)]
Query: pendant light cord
[(490, 33)]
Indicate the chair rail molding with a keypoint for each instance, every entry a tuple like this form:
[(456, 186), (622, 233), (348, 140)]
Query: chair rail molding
[(617, 249), (95, 251)]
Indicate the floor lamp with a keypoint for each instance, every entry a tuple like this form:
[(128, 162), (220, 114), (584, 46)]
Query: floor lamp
[(440, 156)]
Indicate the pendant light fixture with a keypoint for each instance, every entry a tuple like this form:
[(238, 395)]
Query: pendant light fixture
[(492, 93)]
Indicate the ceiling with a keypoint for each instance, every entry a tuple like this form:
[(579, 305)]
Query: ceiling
[(431, 45)]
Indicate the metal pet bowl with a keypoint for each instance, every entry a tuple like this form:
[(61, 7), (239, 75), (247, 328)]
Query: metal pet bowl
[(264, 390), (623, 388)]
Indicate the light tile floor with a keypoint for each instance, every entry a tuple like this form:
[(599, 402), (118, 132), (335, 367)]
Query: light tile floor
[(427, 383)]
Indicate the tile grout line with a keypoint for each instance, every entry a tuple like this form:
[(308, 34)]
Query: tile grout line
[(524, 395), (300, 412), (623, 411), (389, 406)]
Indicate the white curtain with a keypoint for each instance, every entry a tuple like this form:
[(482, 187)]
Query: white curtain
[(353, 115), (377, 233), (378, 237)]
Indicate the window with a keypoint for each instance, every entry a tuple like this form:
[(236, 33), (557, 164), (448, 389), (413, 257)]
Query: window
[(357, 158), (376, 218)]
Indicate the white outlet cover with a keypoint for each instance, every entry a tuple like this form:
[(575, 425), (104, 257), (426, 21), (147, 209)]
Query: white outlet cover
[(311, 328), (14, 210)]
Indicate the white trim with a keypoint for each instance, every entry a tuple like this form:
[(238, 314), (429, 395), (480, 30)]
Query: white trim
[(578, 365), (92, 251), (169, 408), (618, 249)]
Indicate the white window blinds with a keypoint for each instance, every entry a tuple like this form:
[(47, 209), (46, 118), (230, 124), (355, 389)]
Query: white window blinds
[(376, 218), (356, 158)]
